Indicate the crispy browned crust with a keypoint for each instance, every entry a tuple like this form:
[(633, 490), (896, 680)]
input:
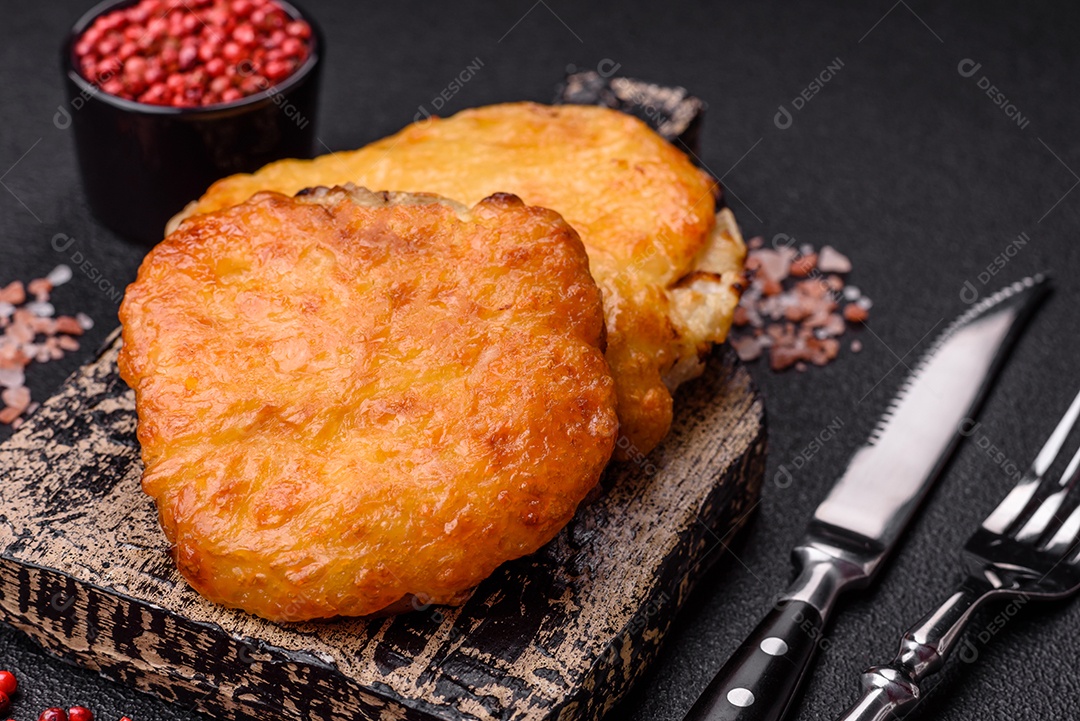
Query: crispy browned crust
[(348, 397), (646, 214)]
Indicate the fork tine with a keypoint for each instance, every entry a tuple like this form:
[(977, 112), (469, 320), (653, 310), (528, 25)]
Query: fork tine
[(1020, 497), (1042, 518), (1065, 536), (1050, 451), (1045, 514)]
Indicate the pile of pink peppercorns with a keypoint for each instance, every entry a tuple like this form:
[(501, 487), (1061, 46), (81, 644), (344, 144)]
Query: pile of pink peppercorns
[(190, 53)]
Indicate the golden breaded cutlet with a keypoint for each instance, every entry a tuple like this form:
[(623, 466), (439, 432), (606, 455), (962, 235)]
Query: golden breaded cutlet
[(668, 263), (347, 398)]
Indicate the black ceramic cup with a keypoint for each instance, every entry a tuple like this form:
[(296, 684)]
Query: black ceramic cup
[(141, 164)]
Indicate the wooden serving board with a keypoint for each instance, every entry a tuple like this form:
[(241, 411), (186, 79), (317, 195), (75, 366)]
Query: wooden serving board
[(561, 634)]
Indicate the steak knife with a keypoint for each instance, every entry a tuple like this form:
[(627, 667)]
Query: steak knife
[(864, 515)]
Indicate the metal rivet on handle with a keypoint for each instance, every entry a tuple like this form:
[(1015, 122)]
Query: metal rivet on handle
[(774, 646), (740, 697)]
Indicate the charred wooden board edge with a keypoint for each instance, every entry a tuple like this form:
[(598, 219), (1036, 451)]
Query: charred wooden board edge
[(70, 629), (73, 616), (728, 509)]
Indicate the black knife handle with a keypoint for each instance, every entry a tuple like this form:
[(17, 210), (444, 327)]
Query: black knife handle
[(760, 679)]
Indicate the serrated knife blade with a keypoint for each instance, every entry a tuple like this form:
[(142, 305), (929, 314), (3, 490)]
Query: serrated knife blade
[(887, 477), (864, 515)]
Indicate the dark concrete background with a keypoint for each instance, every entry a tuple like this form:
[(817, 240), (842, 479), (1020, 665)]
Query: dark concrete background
[(899, 161)]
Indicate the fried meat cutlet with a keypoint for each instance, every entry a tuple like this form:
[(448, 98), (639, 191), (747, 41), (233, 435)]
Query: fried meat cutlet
[(345, 397), (668, 263)]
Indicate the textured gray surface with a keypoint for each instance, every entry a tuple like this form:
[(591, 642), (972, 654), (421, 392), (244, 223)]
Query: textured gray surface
[(899, 161)]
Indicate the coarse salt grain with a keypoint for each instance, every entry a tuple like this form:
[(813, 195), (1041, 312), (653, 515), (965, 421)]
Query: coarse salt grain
[(11, 377), (39, 288), (41, 308), (59, 275), (23, 323), (831, 260), (16, 397), (796, 306), (14, 293)]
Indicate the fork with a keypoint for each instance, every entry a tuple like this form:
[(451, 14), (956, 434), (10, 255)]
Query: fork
[(1023, 549)]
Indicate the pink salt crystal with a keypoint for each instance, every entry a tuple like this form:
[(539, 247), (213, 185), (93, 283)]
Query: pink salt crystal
[(775, 264), (9, 414), (755, 242), (855, 313), (85, 321), (831, 260), (39, 288), (21, 332), (43, 326), (12, 377), (67, 343), (14, 293), (17, 397), (823, 351), (10, 356), (59, 275), (69, 325), (782, 356), (798, 311), (791, 309), (748, 348), (41, 308), (856, 345), (819, 318), (804, 265), (834, 325), (811, 288), (770, 287)]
